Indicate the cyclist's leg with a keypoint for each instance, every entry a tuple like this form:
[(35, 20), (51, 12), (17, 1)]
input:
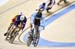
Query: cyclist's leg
[(65, 1), (8, 29), (36, 30), (36, 37), (14, 34), (59, 2)]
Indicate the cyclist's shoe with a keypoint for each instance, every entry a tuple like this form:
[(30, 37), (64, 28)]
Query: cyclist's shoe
[(5, 34)]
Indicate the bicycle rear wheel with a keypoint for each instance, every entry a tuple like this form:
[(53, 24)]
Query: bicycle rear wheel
[(29, 40)]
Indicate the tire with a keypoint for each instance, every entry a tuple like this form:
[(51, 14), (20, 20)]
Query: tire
[(30, 37), (29, 40), (7, 36), (13, 36), (11, 40)]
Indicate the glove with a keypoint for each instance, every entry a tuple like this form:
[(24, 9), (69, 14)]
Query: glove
[(43, 27)]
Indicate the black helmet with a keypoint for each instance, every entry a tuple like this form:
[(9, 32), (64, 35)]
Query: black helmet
[(44, 3)]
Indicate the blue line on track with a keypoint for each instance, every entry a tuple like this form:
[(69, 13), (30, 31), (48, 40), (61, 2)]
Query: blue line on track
[(44, 42)]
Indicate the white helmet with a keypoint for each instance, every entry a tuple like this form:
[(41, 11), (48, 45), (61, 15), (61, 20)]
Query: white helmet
[(22, 18)]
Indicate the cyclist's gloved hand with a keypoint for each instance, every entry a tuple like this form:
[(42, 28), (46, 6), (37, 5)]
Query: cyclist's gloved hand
[(43, 27)]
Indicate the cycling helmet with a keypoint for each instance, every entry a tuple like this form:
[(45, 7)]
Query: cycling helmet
[(43, 3), (22, 18)]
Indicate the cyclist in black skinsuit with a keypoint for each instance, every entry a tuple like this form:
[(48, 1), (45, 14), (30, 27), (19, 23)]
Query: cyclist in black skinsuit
[(36, 20)]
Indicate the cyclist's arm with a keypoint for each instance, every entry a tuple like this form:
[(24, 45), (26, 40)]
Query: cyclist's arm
[(43, 21), (24, 23), (32, 18)]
